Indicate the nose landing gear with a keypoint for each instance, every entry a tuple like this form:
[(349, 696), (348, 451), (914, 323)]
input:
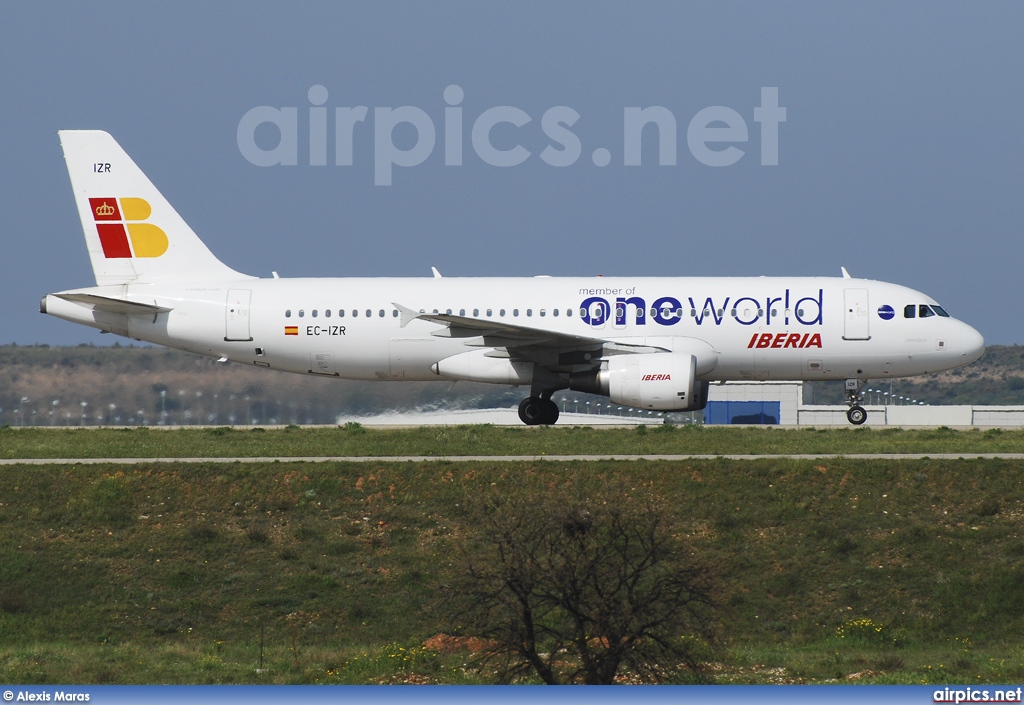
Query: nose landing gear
[(538, 411), (856, 414)]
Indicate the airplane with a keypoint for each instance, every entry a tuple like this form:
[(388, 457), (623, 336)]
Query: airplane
[(653, 343)]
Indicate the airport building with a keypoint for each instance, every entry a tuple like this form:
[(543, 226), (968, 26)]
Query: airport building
[(782, 403)]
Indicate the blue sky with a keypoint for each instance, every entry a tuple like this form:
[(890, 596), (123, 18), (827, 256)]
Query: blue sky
[(901, 156)]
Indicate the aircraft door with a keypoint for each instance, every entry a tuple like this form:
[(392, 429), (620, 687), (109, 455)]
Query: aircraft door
[(236, 315), (856, 314)]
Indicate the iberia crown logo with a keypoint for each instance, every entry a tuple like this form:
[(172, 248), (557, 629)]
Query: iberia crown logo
[(122, 228)]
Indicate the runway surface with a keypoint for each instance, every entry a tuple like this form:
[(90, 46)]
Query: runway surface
[(509, 458)]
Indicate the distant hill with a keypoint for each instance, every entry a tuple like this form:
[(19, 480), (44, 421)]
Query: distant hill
[(40, 385), (135, 385)]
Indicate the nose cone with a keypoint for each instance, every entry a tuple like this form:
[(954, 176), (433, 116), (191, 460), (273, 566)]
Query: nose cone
[(970, 344)]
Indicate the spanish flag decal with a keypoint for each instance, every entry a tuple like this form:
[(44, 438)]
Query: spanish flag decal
[(291, 330)]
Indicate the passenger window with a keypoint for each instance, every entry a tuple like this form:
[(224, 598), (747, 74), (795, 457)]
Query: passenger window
[(910, 311), (501, 313), (488, 313), (529, 312), (327, 313), (568, 312), (288, 313), (381, 313), (314, 313), (341, 313), (555, 313), (394, 313), (515, 312), (924, 311), (476, 312), (462, 312), (448, 312), (543, 313), (301, 313)]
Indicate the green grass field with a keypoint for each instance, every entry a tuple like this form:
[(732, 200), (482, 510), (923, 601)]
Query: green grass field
[(883, 572), (355, 440)]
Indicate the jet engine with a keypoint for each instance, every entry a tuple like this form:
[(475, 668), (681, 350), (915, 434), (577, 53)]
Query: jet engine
[(662, 381)]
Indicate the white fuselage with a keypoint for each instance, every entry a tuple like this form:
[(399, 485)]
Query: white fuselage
[(746, 328)]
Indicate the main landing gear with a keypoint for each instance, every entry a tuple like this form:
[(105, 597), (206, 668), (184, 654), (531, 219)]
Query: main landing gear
[(856, 414), (537, 411)]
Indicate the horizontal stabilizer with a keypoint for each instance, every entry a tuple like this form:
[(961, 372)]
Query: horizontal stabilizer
[(106, 303)]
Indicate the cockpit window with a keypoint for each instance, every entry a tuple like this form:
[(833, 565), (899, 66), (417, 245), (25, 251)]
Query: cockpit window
[(923, 311)]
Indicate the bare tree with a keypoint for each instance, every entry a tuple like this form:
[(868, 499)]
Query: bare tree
[(579, 587)]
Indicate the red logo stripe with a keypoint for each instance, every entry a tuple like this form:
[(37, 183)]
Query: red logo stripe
[(114, 240)]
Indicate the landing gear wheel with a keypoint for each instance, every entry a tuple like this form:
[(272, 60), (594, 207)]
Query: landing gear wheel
[(534, 411), (550, 416), (856, 415), (531, 411)]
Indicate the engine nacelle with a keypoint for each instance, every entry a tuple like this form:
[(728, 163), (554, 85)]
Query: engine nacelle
[(661, 381)]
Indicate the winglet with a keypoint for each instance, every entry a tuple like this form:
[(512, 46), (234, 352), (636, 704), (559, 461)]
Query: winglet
[(437, 274), (408, 315), (846, 275)]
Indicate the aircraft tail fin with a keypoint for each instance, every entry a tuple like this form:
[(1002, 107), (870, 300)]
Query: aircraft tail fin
[(132, 233)]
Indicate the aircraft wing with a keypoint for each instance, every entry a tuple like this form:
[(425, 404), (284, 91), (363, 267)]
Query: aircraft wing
[(499, 333), (553, 350)]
